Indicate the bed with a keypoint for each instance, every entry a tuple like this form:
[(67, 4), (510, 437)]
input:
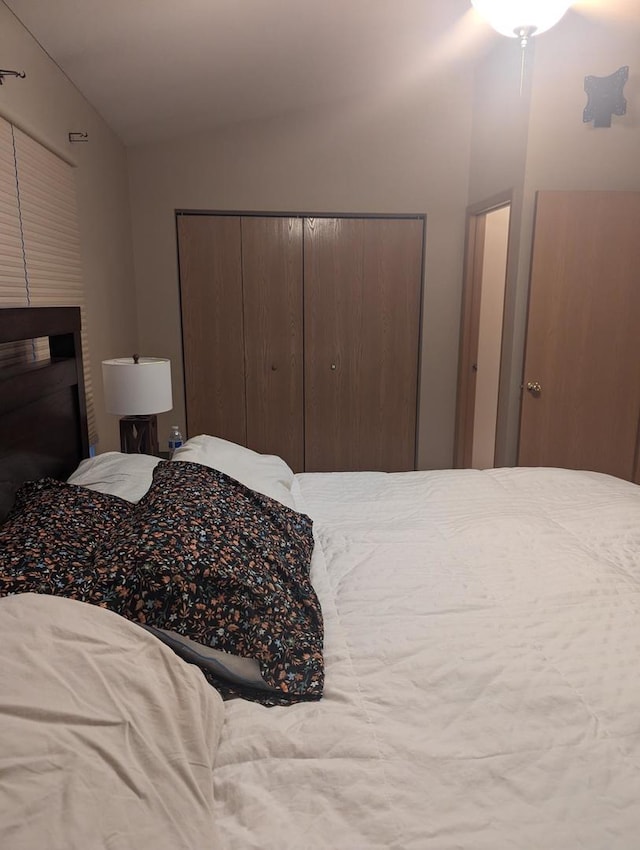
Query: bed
[(476, 685)]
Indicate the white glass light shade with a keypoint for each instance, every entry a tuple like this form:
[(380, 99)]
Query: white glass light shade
[(137, 389), (511, 17)]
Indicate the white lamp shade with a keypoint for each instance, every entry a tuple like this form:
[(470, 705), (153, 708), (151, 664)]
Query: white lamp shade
[(509, 17), (137, 389)]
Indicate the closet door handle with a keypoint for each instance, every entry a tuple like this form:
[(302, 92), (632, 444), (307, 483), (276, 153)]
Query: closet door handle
[(534, 387), (333, 367)]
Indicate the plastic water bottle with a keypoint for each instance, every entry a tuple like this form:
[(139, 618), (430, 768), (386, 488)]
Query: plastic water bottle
[(175, 439)]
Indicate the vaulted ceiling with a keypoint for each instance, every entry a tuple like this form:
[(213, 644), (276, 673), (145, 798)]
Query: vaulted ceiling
[(161, 68)]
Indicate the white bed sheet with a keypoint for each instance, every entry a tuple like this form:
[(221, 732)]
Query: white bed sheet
[(483, 685)]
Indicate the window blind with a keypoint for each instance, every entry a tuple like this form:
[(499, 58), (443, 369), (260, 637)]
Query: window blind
[(12, 281), (47, 222), (12, 289)]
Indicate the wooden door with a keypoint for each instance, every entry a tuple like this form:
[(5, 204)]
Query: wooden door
[(209, 251), (362, 302), (272, 287), (583, 334)]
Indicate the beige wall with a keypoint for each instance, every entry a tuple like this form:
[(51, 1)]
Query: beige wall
[(402, 154), (539, 141), (47, 106), (497, 168), (500, 121)]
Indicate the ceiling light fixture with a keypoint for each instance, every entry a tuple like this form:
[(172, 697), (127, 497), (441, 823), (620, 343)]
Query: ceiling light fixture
[(521, 18)]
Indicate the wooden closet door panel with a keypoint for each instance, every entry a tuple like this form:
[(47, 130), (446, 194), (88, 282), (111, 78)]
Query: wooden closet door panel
[(209, 250), (273, 323), (333, 296), (362, 319), (391, 339), (582, 335)]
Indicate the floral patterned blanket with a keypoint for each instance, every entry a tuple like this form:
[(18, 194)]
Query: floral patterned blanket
[(200, 557)]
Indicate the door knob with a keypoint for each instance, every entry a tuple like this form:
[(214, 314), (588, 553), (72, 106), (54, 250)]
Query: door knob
[(534, 387)]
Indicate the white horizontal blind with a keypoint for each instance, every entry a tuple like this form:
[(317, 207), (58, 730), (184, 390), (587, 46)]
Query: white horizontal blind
[(47, 199), (13, 291)]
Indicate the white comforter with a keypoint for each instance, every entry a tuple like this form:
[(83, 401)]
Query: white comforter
[(107, 738), (483, 672)]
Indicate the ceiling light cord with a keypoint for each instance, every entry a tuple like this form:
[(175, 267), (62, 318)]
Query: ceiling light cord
[(523, 33)]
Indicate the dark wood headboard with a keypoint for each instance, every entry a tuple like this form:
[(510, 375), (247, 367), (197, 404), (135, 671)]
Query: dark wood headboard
[(43, 415)]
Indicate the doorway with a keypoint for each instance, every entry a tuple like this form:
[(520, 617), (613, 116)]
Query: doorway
[(486, 258)]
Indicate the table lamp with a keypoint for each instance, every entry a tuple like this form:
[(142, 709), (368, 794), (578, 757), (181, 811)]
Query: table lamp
[(137, 388)]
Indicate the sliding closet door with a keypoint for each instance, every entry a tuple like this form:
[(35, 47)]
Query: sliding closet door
[(210, 257), (272, 286), (362, 280)]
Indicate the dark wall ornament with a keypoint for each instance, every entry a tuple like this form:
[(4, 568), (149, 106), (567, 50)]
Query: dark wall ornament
[(605, 97)]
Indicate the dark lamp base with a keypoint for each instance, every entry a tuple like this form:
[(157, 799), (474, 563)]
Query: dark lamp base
[(139, 434)]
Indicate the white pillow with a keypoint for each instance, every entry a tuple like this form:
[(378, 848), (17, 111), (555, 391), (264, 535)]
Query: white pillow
[(266, 474), (125, 475)]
